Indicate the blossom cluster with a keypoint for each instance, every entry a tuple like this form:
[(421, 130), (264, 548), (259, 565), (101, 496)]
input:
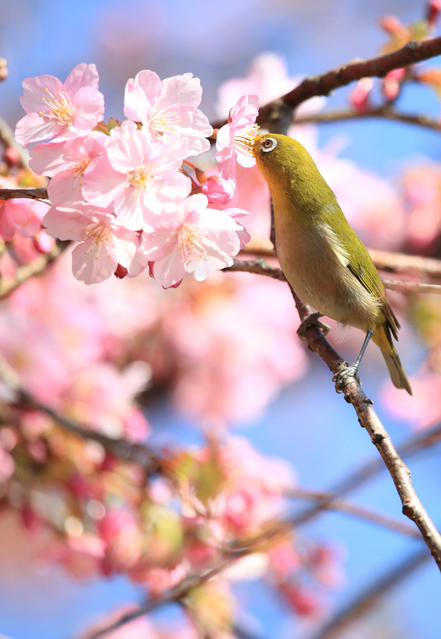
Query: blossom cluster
[(119, 190)]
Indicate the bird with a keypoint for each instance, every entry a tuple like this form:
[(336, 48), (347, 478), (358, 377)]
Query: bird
[(321, 256)]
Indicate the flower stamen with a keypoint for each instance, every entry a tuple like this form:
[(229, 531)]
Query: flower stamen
[(61, 108)]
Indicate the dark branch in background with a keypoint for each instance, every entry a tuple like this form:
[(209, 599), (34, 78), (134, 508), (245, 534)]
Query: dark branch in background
[(370, 597), (377, 112), (122, 449)]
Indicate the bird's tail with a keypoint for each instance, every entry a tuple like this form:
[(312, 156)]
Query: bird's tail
[(383, 339)]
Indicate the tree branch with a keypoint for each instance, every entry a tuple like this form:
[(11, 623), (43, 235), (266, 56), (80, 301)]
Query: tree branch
[(175, 594), (326, 83), (371, 596), (368, 419), (28, 194)]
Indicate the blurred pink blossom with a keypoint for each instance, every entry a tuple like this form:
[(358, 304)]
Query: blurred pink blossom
[(359, 97), (21, 216), (424, 408)]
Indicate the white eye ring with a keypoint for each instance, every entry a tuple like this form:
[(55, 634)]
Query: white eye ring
[(268, 145)]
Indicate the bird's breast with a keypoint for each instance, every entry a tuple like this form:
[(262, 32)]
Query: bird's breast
[(316, 265)]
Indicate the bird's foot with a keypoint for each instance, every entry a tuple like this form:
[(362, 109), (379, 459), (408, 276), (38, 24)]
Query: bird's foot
[(343, 374), (312, 320)]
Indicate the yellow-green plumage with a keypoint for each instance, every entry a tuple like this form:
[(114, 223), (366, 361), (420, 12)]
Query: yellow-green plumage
[(321, 256)]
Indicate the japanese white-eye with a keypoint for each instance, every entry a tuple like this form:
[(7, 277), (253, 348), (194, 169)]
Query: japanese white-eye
[(321, 256)]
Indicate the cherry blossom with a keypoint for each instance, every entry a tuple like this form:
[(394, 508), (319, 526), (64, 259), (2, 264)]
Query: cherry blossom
[(104, 241), (60, 110), (241, 122), (167, 107), (137, 176), (66, 162), (193, 240)]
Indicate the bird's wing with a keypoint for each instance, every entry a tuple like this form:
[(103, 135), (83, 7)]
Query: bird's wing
[(368, 276)]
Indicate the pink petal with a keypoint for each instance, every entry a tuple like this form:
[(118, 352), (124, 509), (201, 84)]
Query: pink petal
[(65, 187), (66, 224), (128, 147), (34, 128), (92, 262), (182, 89), (141, 94), (159, 243), (83, 75), (102, 183), (170, 270), (35, 94), (48, 159), (89, 108)]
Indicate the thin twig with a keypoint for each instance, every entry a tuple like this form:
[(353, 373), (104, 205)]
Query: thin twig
[(412, 288), (400, 263), (259, 267), (178, 593), (376, 112), (360, 512), (371, 596)]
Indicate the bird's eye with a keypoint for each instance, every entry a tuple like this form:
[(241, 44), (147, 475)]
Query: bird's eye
[(268, 144)]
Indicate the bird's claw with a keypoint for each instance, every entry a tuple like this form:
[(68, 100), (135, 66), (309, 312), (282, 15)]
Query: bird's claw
[(343, 374), (312, 320)]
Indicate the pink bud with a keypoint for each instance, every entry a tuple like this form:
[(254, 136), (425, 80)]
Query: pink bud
[(391, 24), (359, 97), (304, 602), (217, 190), (12, 157), (432, 11), (3, 69), (120, 272), (392, 84), (43, 242)]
